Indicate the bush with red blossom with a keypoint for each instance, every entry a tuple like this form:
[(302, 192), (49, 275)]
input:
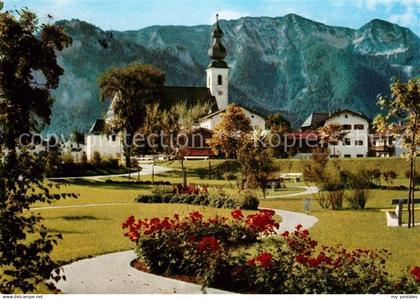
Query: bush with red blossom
[(291, 264), (296, 265), (187, 245)]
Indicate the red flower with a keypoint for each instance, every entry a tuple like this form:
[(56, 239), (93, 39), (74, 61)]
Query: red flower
[(237, 214), (285, 234), (299, 226), (264, 259), (262, 222), (301, 259), (196, 216), (251, 262), (416, 273), (208, 243), (313, 243), (129, 222)]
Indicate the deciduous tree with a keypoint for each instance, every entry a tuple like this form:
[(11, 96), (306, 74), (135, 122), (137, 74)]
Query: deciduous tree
[(227, 133), (404, 105), (132, 88), (28, 72)]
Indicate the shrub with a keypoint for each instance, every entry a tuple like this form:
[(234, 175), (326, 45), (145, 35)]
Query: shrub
[(295, 265), (193, 199), (97, 159), (389, 176), (360, 185), (249, 201), (190, 245)]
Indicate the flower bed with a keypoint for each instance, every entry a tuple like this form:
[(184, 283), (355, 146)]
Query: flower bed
[(213, 252), (196, 195)]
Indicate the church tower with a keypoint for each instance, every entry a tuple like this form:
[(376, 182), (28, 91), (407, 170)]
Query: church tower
[(218, 70)]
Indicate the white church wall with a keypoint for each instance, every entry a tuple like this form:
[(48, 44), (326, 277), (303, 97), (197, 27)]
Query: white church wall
[(104, 145)]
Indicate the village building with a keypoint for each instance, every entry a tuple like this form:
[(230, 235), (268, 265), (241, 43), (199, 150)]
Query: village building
[(216, 93), (355, 125)]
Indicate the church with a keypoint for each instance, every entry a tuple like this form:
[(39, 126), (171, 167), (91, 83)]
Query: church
[(216, 93)]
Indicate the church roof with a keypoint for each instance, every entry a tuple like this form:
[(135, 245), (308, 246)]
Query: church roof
[(192, 95), (217, 52)]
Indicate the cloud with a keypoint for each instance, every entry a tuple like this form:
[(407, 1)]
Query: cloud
[(230, 14), (388, 4), (407, 19)]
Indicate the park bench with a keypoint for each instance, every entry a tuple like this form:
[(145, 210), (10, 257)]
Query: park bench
[(394, 216), (291, 176)]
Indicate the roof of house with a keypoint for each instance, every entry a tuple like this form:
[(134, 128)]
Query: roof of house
[(317, 119), (191, 95), (198, 152), (98, 127), (213, 113), (308, 135)]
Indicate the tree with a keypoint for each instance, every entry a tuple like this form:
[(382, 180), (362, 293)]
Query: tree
[(227, 133), (28, 72), (78, 137), (404, 105), (132, 88), (278, 127), (256, 161), (178, 122), (332, 134)]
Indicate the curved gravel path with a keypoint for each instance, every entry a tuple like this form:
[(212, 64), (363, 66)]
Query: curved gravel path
[(146, 170), (308, 191), (112, 274)]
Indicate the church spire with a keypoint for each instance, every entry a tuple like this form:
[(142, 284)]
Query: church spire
[(217, 52)]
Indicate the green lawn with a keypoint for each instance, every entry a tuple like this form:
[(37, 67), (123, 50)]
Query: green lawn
[(363, 228), (90, 231), (96, 230)]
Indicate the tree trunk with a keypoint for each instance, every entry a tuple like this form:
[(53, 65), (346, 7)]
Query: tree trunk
[(209, 169), (409, 200), (153, 169), (413, 197), (184, 173)]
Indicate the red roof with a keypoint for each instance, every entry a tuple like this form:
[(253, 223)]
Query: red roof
[(198, 152), (311, 135)]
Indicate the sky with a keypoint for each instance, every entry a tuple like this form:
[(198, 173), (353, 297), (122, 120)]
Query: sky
[(137, 14)]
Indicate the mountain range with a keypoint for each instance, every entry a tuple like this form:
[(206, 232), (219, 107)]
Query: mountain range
[(289, 64)]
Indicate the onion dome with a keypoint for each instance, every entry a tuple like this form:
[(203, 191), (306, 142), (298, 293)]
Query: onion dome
[(217, 52)]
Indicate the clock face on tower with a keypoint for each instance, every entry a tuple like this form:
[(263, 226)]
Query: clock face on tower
[(220, 92)]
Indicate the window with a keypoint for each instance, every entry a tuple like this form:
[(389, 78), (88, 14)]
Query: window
[(252, 115), (358, 142), (346, 127), (346, 116), (219, 80), (359, 156), (359, 127), (114, 138), (346, 141), (347, 156)]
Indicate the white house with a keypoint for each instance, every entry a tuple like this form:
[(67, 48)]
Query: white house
[(354, 124), (216, 93)]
